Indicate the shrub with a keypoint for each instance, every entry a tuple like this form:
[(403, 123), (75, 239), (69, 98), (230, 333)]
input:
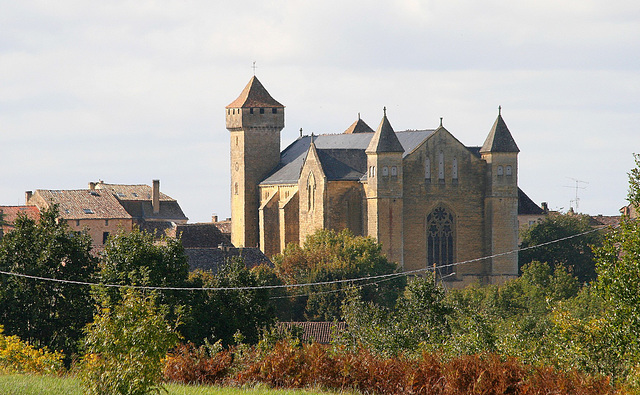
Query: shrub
[(126, 347), (19, 356), (197, 365)]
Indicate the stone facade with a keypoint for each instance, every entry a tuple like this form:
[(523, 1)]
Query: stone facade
[(427, 198)]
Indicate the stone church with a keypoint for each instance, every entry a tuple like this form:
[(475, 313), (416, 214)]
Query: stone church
[(426, 197)]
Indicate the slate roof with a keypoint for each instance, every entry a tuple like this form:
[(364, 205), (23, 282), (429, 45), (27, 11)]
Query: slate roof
[(84, 204), (384, 139), (499, 138), (211, 259), (358, 126), (254, 95), (319, 332), (201, 235), (526, 206), (292, 158)]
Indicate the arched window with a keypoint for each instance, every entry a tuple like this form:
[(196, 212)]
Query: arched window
[(500, 171), (385, 171), (311, 192), (427, 169), (454, 169), (440, 237), (394, 171), (441, 166), (509, 171)]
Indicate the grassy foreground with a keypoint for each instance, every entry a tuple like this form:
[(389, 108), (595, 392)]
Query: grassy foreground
[(33, 384)]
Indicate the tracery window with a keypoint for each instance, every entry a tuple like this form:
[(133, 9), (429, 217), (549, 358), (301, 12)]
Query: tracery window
[(440, 236)]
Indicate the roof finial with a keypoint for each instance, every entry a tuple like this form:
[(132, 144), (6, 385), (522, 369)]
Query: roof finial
[(300, 132), (254, 67), (384, 110), (499, 110), (440, 121), (358, 116)]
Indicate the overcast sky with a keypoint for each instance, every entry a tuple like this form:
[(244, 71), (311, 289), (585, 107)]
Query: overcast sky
[(130, 91)]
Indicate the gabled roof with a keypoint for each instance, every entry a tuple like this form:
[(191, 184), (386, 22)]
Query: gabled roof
[(84, 204), (526, 206), (10, 213), (132, 192), (254, 95), (384, 139), (499, 138), (358, 126), (339, 147)]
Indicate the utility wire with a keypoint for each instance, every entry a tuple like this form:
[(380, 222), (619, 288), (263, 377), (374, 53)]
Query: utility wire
[(260, 287)]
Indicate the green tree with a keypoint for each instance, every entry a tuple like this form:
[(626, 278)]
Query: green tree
[(328, 256), (46, 313), (221, 314), (574, 254), (126, 345), (136, 258)]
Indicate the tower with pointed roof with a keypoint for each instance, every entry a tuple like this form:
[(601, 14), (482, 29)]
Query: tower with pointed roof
[(384, 190), (254, 121), (501, 200)]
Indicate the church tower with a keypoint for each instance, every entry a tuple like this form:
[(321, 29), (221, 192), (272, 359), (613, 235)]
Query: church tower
[(254, 120), (501, 200), (384, 190)]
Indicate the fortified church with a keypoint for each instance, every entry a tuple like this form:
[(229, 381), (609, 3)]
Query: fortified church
[(425, 196)]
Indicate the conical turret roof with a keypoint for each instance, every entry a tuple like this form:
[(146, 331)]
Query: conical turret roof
[(499, 138), (385, 139), (359, 126), (254, 95)]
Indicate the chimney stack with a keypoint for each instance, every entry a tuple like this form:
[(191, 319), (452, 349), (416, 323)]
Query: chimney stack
[(214, 218), (545, 207), (155, 196), (27, 196), (92, 186)]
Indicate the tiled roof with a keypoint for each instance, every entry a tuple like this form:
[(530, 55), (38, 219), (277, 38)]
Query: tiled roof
[(202, 235), (84, 204), (131, 192), (254, 95), (224, 226), (10, 213), (319, 332), (499, 138), (143, 209), (526, 206), (358, 126), (384, 139), (292, 158), (605, 220)]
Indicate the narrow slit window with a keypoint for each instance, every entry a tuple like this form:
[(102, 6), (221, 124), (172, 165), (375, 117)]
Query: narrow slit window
[(454, 169), (427, 169), (441, 166)]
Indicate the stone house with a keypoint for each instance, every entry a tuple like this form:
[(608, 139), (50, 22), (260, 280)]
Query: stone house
[(427, 198)]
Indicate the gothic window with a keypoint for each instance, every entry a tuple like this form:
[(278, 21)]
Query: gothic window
[(441, 166), (427, 169), (311, 192), (385, 171), (500, 171), (508, 170), (394, 171), (454, 170), (440, 235)]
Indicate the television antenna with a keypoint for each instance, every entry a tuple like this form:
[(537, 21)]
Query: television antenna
[(576, 187)]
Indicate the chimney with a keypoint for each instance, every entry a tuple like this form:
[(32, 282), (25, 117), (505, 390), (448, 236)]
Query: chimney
[(27, 196), (155, 196), (545, 207), (214, 218), (92, 186)]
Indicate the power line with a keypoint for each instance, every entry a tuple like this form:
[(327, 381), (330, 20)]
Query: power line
[(284, 286)]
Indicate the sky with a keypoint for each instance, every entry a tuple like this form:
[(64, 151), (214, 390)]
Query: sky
[(131, 91)]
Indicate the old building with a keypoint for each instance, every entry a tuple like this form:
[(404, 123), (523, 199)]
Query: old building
[(426, 197), (103, 208), (9, 214)]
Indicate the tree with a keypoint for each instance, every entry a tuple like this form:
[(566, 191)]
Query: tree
[(221, 314), (46, 313), (574, 254), (126, 345), (328, 256), (135, 258)]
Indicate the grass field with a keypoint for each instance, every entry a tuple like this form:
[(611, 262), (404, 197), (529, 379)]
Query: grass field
[(26, 384)]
